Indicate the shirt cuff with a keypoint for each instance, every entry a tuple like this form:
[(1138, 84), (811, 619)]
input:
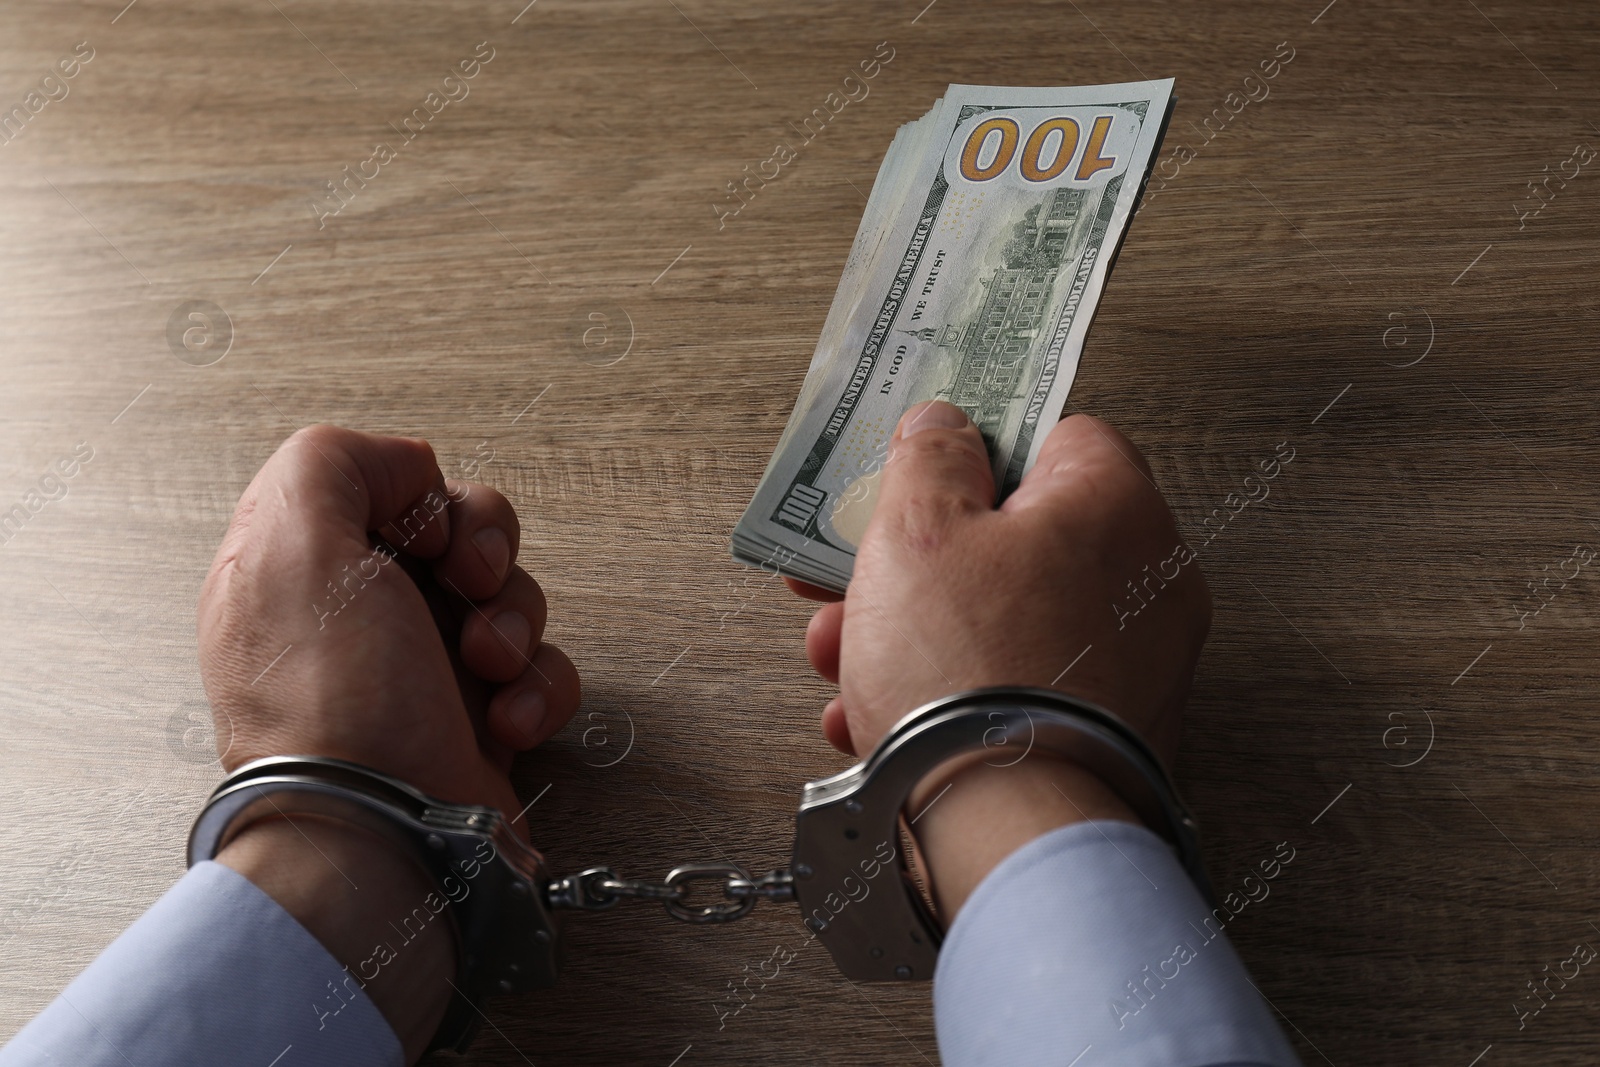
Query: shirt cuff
[(215, 972), (1092, 942)]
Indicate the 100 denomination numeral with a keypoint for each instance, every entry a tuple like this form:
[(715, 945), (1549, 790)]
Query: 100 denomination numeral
[(1031, 165)]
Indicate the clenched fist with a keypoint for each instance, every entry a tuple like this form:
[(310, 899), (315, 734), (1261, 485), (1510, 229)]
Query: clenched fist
[(362, 607)]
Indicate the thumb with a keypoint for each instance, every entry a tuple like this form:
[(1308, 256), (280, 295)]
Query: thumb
[(937, 466)]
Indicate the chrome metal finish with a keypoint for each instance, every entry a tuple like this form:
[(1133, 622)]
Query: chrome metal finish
[(849, 873), (599, 888), (490, 882), (854, 887)]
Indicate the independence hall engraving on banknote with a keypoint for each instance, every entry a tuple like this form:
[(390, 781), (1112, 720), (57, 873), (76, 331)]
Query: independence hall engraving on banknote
[(995, 343)]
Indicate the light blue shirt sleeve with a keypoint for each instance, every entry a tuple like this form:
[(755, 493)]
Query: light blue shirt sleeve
[(214, 973), (1090, 946)]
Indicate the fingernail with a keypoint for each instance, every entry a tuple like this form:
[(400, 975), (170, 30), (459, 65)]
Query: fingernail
[(935, 415), (513, 630), (526, 712), (493, 546)]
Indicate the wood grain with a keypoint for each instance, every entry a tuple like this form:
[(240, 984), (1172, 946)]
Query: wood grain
[(1261, 298)]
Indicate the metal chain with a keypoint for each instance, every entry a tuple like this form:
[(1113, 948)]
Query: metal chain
[(599, 888)]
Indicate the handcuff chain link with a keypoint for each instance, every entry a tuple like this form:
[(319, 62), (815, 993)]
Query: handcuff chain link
[(599, 888)]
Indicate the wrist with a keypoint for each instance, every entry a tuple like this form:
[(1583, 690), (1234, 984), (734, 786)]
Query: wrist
[(367, 903), (972, 817)]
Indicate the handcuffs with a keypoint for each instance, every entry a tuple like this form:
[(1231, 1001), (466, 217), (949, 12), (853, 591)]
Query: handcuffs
[(848, 871)]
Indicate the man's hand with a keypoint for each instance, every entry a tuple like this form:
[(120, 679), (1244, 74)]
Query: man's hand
[(951, 593), (314, 641)]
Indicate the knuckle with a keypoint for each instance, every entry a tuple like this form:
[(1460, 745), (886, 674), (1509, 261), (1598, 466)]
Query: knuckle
[(319, 435), (938, 457), (1085, 439), (496, 503), (1113, 489), (302, 451), (924, 523), (936, 445)]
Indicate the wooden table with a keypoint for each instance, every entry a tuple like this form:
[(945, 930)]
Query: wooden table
[(1349, 264)]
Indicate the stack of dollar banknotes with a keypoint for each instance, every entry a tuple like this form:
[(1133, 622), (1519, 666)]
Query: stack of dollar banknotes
[(981, 255)]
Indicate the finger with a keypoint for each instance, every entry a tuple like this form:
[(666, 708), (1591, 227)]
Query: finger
[(500, 634), (484, 534), (1077, 449), (476, 692), (811, 592), (543, 699), (836, 729), (937, 469), (423, 528), (822, 640)]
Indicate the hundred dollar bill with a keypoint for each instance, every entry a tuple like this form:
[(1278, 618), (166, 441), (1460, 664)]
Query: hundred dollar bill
[(980, 258)]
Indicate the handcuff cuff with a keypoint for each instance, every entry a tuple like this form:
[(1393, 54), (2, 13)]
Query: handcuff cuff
[(502, 901)]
